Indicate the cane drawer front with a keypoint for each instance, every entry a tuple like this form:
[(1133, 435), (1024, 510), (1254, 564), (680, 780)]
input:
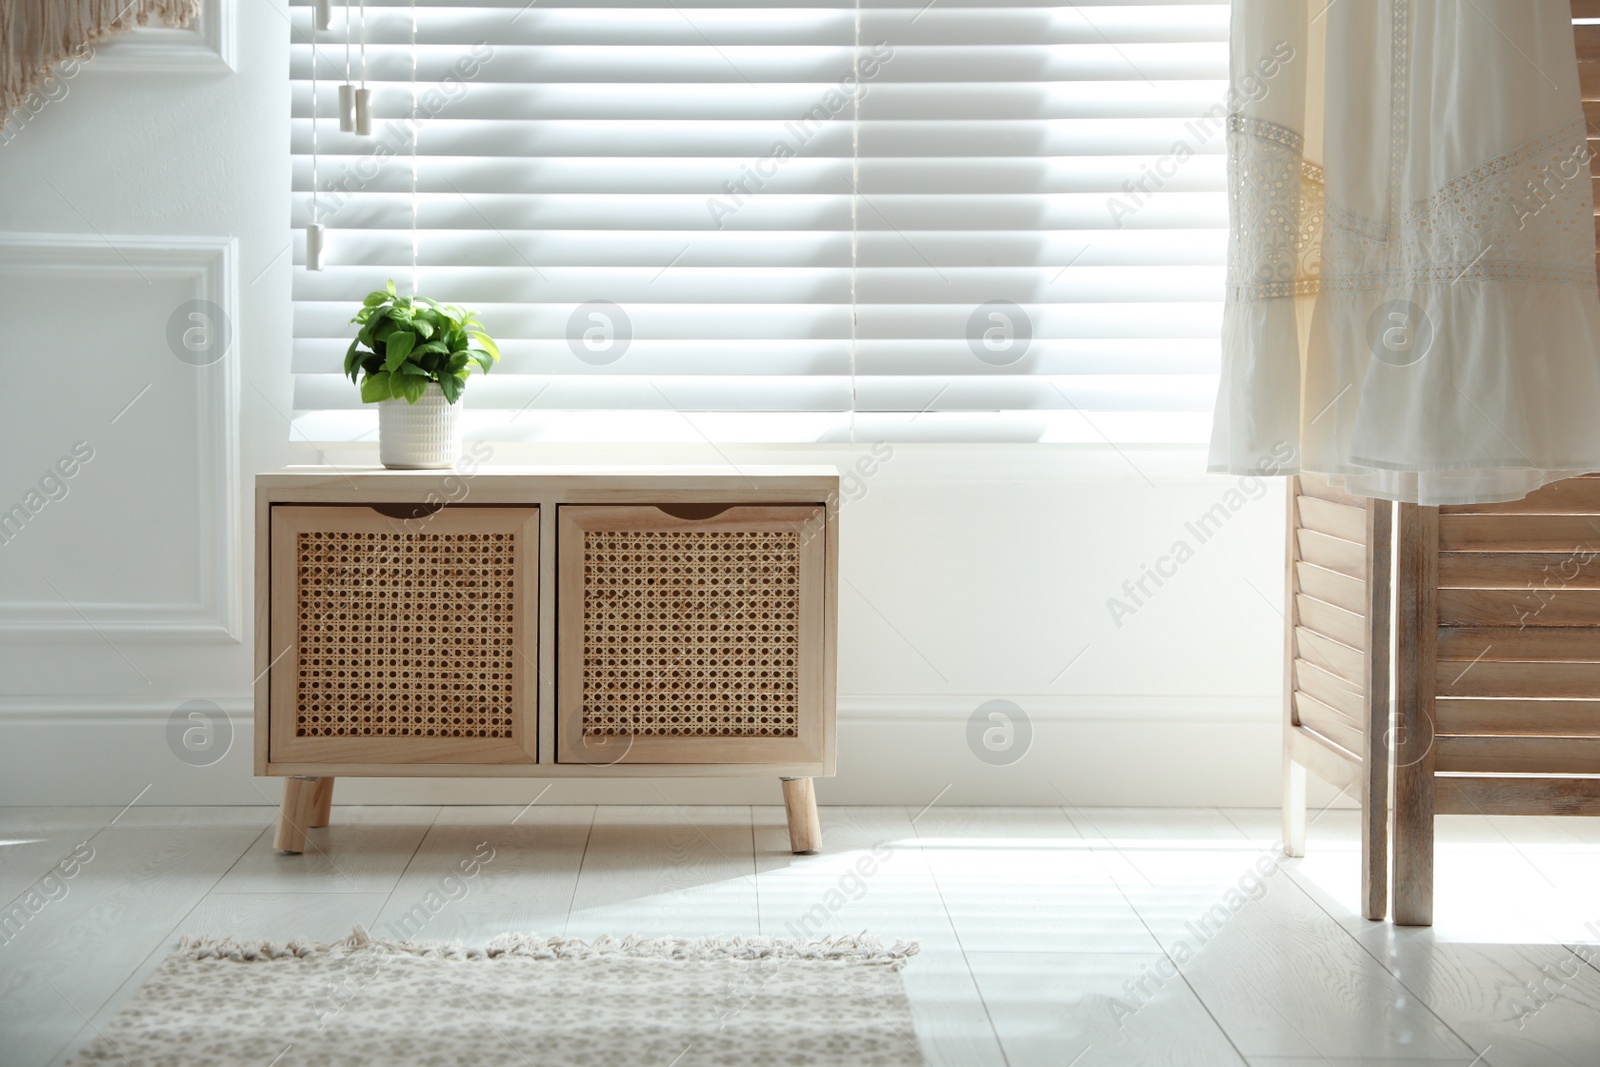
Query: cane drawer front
[(691, 635), (403, 637)]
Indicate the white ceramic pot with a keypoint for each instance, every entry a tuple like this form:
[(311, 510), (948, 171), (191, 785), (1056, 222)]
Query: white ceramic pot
[(420, 436)]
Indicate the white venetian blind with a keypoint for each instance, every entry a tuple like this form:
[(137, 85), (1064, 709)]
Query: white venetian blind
[(687, 222)]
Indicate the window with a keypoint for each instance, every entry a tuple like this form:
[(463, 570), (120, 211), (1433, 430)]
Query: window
[(780, 221)]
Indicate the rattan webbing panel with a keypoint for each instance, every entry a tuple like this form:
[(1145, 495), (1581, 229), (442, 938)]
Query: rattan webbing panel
[(405, 634), (691, 632)]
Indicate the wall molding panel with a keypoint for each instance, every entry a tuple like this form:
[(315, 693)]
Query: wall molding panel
[(210, 265)]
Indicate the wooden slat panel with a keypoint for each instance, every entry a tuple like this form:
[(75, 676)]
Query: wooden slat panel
[(1570, 496), (1531, 718), (1348, 663), (1322, 757), (1318, 711), (1334, 553), (1330, 689), (1334, 588), (1339, 624), (1317, 487), (1565, 681), (1519, 533), (1518, 796), (1318, 717), (1517, 608), (1293, 774), (1571, 644), (1337, 519), (1585, 9), (1519, 755), (1587, 39), (1589, 80), (1516, 570)]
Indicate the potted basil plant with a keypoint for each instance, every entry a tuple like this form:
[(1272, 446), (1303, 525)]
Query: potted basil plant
[(412, 356)]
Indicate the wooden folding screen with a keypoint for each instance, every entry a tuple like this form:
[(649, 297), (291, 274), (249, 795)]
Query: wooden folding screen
[(1496, 648)]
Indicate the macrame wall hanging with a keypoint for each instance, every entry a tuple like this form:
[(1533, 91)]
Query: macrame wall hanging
[(36, 35)]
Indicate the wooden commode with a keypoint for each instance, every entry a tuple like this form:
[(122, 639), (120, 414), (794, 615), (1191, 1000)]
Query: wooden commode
[(545, 623)]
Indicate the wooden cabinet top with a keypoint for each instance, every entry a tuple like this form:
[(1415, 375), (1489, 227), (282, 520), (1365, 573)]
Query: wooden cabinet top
[(506, 483)]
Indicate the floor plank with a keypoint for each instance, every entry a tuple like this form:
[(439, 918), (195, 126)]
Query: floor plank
[(480, 872), (1074, 1007), (127, 896), (1048, 869), (664, 871), (363, 850), (873, 876), (1519, 1005), (1284, 979)]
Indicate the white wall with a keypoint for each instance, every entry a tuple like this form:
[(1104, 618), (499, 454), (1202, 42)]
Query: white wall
[(972, 573)]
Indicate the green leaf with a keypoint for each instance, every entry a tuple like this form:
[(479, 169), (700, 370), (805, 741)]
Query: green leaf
[(457, 361), (391, 286), (487, 342), (451, 385), (352, 359), (398, 348), (483, 359), (409, 367), (410, 387), (374, 299), (375, 387), (423, 327), (431, 346)]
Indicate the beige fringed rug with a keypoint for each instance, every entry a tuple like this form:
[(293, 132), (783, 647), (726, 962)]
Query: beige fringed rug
[(520, 1001)]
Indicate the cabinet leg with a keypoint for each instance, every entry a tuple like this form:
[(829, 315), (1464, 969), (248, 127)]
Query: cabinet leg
[(296, 814), (321, 803), (800, 805)]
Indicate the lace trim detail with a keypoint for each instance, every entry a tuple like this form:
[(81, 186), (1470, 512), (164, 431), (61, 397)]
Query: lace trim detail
[(1525, 215), (1275, 217), (1267, 131), (1399, 121)]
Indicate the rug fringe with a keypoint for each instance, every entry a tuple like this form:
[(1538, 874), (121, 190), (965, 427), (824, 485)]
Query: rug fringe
[(845, 948)]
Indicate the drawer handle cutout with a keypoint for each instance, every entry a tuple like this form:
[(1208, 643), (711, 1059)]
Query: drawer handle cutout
[(408, 511), (695, 512)]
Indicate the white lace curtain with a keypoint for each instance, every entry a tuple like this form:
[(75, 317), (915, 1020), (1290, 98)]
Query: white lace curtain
[(36, 35), (1411, 297)]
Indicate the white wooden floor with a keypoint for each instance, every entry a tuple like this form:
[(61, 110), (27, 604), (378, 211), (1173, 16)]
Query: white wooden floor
[(1049, 936)]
